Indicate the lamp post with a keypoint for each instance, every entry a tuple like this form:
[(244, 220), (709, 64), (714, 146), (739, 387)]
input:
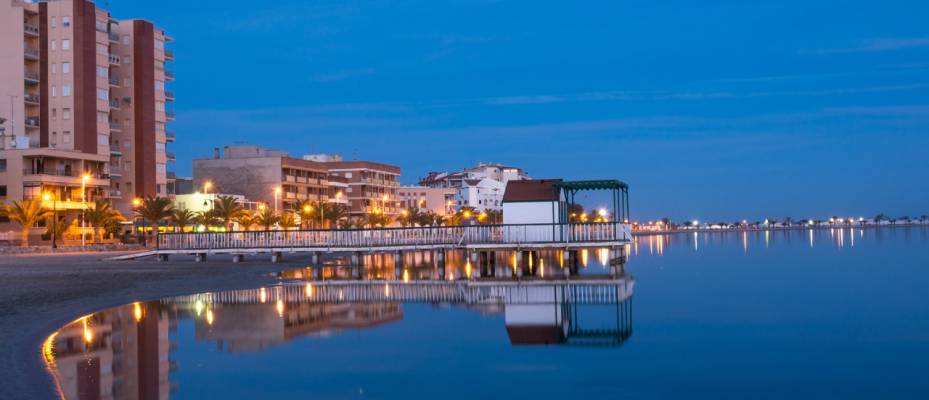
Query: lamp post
[(84, 179), (206, 190), (136, 202), (47, 196), (277, 195)]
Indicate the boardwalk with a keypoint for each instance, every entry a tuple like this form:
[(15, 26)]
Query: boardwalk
[(580, 291), (473, 237)]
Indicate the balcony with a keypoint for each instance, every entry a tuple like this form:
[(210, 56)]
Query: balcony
[(169, 95), (115, 150), (114, 104), (32, 122), (114, 194), (169, 115), (170, 136), (170, 156), (116, 126), (169, 75), (169, 55), (32, 99), (114, 81), (114, 59), (31, 53), (31, 30), (170, 175), (113, 37)]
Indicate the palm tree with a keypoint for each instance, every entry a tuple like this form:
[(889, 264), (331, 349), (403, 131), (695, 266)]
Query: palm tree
[(207, 218), (409, 216), (266, 218), (99, 216), (154, 210), (377, 219), (305, 210), (336, 212), (181, 218), (246, 220), (287, 221), (26, 213), (55, 227), (226, 209)]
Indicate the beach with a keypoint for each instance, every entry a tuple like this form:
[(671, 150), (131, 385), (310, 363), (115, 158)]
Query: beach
[(40, 293)]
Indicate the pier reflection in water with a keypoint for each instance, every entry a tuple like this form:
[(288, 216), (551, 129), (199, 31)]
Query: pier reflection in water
[(130, 351)]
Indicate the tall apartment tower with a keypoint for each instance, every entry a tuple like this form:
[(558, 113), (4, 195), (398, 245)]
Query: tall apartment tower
[(139, 111), (83, 100)]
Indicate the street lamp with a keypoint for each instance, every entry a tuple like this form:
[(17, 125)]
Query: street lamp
[(136, 203), (206, 190), (84, 179), (48, 196)]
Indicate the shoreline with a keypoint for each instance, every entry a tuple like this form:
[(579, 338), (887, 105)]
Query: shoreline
[(41, 293), (779, 228)]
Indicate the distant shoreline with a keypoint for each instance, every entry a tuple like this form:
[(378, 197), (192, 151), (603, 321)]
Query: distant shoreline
[(772, 228)]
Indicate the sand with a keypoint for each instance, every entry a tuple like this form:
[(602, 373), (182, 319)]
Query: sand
[(41, 293)]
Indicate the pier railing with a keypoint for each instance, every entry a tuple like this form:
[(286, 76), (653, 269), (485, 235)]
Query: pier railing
[(439, 236)]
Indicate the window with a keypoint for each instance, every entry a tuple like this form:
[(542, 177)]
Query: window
[(66, 115), (54, 113), (54, 92), (65, 90), (2, 165), (103, 72), (54, 68), (66, 44), (3, 188), (103, 94), (65, 21), (54, 45), (53, 22), (102, 49), (66, 137), (65, 68), (103, 140), (159, 85), (126, 39)]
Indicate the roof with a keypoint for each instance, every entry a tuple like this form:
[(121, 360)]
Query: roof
[(531, 190), (352, 165), (592, 185)]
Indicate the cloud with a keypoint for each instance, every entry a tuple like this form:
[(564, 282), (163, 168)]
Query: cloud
[(876, 45)]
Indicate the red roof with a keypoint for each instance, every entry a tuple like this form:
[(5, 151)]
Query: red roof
[(531, 190)]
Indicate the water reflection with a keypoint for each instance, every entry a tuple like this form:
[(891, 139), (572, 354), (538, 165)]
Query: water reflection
[(129, 352)]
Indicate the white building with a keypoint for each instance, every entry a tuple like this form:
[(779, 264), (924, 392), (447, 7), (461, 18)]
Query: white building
[(481, 195), (532, 202), (200, 202), (497, 172)]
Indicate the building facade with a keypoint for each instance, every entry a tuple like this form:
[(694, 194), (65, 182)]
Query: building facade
[(264, 175), (440, 201), (69, 97), (372, 187), (479, 187)]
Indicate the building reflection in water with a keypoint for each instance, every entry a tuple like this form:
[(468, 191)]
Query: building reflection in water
[(126, 352)]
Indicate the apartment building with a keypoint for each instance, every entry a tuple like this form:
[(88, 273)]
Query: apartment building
[(264, 175), (440, 201), (140, 111), (372, 187), (61, 71)]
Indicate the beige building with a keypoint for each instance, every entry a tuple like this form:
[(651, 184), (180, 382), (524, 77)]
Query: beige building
[(372, 187), (268, 176), (78, 92), (440, 201)]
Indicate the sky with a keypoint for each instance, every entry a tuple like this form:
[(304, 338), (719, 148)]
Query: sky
[(714, 110)]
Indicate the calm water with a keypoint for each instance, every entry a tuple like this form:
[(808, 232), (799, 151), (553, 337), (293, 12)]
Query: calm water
[(824, 314)]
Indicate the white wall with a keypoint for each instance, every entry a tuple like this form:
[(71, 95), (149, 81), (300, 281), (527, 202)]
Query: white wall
[(542, 212)]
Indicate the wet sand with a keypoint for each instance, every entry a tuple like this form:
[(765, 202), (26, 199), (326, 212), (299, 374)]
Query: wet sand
[(41, 293)]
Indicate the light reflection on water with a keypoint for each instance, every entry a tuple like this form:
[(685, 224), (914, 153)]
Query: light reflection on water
[(760, 307)]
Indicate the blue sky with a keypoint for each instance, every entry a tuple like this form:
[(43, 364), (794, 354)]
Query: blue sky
[(709, 109)]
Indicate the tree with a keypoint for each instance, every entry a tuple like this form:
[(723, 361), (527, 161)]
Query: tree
[(55, 227), (335, 213), (305, 210), (246, 220), (287, 220), (409, 216), (182, 218), (266, 218), (207, 218), (226, 209), (377, 219), (154, 210), (26, 213), (490, 217), (99, 216)]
